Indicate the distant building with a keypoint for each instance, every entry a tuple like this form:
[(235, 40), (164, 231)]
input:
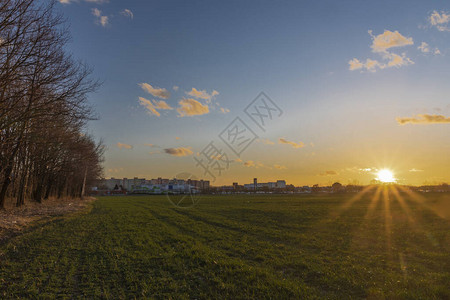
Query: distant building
[(279, 184), (337, 187), (154, 186)]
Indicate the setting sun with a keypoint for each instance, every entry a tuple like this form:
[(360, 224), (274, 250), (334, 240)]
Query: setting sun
[(385, 176)]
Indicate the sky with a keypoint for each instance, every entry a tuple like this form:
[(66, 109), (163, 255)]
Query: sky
[(349, 88)]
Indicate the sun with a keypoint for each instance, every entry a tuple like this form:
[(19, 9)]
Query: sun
[(385, 176)]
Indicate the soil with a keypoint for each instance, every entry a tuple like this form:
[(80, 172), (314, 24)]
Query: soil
[(15, 220)]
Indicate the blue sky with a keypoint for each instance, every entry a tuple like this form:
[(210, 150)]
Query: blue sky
[(298, 52)]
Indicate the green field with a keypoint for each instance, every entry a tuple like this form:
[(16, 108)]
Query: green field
[(236, 247)]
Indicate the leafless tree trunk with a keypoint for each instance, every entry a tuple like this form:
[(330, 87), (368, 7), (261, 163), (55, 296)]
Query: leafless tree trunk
[(43, 106)]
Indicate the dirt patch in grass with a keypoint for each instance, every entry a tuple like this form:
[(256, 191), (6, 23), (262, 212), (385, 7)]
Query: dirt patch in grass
[(14, 220)]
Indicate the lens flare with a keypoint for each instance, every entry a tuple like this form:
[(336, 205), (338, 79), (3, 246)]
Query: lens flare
[(385, 176)]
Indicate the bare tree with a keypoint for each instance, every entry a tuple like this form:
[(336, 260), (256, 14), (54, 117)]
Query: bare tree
[(43, 105)]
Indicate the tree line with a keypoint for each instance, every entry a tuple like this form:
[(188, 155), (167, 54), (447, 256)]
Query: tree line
[(44, 151)]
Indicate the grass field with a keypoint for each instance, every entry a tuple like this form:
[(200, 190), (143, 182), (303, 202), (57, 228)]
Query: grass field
[(236, 246)]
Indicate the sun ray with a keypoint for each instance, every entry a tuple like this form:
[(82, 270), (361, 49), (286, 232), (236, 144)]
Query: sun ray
[(387, 221), (422, 201), (352, 200), (405, 208), (361, 239), (415, 225), (373, 203)]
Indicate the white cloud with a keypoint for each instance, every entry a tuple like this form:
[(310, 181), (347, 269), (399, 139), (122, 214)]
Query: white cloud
[(115, 170), (370, 65), (124, 146), (152, 145), (153, 107), (202, 94), (424, 119), (161, 104), (175, 88), (293, 144), (181, 151), (398, 61), (355, 64), (249, 163), (424, 47), (96, 12), (101, 19), (389, 39), (266, 141), (127, 13), (279, 167), (155, 91), (380, 45), (191, 107), (254, 164), (329, 173), (440, 20), (104, 21), (224, 110)]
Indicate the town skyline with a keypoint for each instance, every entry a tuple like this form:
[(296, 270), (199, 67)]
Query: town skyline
[(162, 180)]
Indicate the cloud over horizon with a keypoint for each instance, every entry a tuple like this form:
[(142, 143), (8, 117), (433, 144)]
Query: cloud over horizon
[(389, 39), (152, 107), (253, 164), (191, 107), (152, 145), (202, 94), (180, 151), (329, 173), (155, 91), (381, 44), (425, 48), (124, 146), (101, 19), (440, 20), (127, 13), (279, 167), (249, 163), (265, 141), (293, 144), (424, 119), (114, 170)]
